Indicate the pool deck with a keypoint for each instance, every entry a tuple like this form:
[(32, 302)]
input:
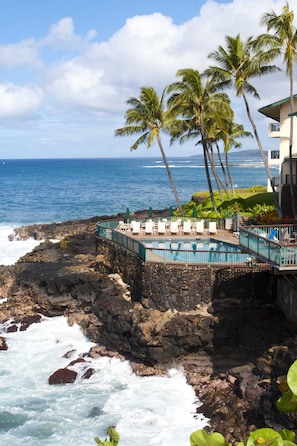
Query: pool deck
[(221, 235)]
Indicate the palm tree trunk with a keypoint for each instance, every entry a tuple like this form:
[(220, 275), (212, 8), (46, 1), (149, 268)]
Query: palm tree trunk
[(227, 186), (229, 174), (292, 189), (205, 149), (208, 176), (262, 154), (170, 177), (218, 180)]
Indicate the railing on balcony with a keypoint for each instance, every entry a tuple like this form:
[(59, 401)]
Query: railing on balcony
[(276, 245)]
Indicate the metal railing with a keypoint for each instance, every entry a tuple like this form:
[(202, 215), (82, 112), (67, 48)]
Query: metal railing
[(107, 230), (276, 245)]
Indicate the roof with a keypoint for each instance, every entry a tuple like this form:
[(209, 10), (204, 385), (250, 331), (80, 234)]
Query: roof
[(273, 110)]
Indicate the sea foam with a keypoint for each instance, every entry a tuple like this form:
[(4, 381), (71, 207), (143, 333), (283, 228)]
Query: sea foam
[(145, 410)]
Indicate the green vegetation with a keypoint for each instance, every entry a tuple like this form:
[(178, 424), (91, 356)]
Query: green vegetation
[(263, 437), (114, 437), (253, 202)]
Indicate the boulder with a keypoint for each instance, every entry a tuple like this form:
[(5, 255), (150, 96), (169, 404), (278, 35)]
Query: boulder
[(3, 345), (62, 376)]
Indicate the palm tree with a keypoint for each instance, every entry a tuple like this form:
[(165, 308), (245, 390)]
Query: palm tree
[(239, 62), (284, 41), (229, 132), (193, 100), (146, 116)]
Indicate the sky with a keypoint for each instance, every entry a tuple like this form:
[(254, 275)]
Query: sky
[(67, 68)]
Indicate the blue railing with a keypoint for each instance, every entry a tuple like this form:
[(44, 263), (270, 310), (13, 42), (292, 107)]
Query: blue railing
[(276, 245), (107, 230)]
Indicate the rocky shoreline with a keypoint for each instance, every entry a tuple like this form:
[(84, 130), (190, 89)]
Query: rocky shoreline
[(237, 385)]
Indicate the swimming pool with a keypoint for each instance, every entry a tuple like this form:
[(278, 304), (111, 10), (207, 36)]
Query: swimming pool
[(194, 251)]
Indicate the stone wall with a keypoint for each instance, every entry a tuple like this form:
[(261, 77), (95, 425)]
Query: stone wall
[(183, 287)]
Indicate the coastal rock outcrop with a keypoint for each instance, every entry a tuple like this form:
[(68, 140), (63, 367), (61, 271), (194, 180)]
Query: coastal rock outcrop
[(62, 376), (232, 350)]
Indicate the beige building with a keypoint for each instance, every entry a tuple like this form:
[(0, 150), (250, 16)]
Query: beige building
[(279, 112)]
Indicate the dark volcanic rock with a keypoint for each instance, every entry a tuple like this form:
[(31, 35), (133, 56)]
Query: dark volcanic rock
[(3, 345), (232, 351), (62, 376)]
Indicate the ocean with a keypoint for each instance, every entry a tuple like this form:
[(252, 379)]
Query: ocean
[(42, 191), (145, 411)]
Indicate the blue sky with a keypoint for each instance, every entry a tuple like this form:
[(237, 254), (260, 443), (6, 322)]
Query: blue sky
[(67, 67)]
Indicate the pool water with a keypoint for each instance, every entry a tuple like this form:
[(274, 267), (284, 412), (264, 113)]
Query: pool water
[(195, 250)]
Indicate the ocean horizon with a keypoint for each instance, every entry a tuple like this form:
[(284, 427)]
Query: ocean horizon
[(56, 190)]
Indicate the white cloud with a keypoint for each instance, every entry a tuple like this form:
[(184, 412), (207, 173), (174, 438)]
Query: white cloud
[(24, 53), (19, 103), (74, 74)]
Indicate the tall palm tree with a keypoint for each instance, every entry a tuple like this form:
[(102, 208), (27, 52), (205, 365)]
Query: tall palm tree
[(147, 116), (229, 132), (191, 99), (284, 41), (237, 64)]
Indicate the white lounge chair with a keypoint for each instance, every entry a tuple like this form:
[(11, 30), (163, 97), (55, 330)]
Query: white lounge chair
[(135, 227), (212, 227), (187, 227), (122, 226), (161, 227), (174, 227), (199, 227), (148, 228)]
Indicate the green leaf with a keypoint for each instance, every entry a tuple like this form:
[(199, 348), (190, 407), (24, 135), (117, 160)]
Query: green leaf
[(286, 434), (203, 438), (265, 437), (287, 402), (114, 436), (292, 377)]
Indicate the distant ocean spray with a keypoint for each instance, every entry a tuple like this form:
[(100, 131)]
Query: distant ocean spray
[(146, 411)]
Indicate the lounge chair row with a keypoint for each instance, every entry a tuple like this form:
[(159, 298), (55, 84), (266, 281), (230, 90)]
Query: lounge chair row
[(163, 227)]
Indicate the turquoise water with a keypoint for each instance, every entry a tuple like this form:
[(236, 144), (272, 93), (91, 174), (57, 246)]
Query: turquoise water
[(196, 250)]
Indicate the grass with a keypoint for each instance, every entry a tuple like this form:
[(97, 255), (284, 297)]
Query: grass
[(248, 201)]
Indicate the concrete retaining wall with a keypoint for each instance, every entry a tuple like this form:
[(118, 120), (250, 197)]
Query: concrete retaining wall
[(183, 287)]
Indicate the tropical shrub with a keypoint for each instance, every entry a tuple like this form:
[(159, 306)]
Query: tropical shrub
[(288, 401), (114, 437), (261, 209)]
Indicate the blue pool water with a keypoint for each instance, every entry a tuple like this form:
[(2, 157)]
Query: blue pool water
[(195, 250)]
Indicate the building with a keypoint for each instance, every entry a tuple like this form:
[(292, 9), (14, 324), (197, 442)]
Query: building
[(280, 114)]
